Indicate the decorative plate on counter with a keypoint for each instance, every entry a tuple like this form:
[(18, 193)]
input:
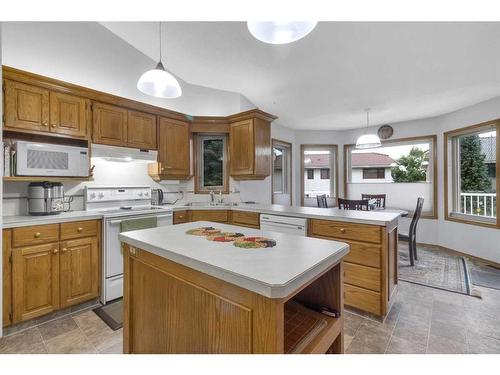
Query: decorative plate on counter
[(254, 242), (203, 231), (225, 236)]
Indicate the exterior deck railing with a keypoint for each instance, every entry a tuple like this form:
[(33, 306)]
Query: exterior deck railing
[(478, 204)]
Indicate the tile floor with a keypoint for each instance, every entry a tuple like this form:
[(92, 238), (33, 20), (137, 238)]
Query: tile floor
[(422, 320)]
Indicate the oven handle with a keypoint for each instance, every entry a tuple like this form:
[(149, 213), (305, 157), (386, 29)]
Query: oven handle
[(157, 216)]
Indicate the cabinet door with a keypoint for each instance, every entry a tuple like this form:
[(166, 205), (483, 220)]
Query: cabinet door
[(26, 107), (141, 131), (35, 275), (7, 277), (68, 114), (79, 271), (109, 125), (241, 148), (173, 153)]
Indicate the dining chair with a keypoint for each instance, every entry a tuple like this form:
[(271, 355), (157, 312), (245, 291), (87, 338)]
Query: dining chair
[(351, 204), (321, 199), (411, 236), (379, 199)]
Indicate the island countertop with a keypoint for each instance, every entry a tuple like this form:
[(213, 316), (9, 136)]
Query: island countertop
[(273, 272)]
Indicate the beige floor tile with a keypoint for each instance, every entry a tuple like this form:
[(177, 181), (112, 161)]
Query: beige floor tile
[(371, 338), (57, 328), (412, 330), (401, 346), (449, 330), (117, 348), (73, 342), (26, 342), (351, 323), (347, 341), (478, 344), (443, 345)]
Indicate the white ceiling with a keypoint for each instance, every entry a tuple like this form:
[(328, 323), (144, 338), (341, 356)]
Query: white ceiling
[(402, 71)]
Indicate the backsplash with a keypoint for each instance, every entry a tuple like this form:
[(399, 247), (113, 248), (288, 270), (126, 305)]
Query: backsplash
[(135, 173)]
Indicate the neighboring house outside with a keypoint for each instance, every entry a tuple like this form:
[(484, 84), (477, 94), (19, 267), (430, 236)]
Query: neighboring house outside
[(371, 167), (317, 175), (489, 148)]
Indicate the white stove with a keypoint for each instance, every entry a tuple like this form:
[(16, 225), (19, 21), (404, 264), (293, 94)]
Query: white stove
[(116, 204)]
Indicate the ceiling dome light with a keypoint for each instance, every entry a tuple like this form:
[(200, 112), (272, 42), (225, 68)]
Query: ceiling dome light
[(158, 82), (280, 32), (368, 140)]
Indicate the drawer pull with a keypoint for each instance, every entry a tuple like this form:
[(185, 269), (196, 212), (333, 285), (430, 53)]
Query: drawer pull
[(79, 229), (54, 125), (45, 123), (64, 249), (37, 235), (181, 217), (55, 251), (342, 230)]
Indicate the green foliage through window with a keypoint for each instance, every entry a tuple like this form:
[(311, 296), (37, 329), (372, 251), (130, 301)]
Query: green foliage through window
[(411, 167), (213, 162)]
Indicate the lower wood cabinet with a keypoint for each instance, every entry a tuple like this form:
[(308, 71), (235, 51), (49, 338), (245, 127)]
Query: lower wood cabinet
[(245, 219), (44, 277), (180, 217), (219, 216)]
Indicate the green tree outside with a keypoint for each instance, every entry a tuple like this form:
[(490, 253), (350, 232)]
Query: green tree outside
[(410, 167), (473, 170)]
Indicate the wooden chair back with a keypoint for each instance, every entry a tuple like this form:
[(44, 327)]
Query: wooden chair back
[(321, 199), (416, 217), (350, 204), (379, 199)]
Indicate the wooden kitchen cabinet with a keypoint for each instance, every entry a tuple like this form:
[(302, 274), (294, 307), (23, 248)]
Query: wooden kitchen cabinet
[(219, 216), (110, 124), (245, 219), (250, 145), (173, 150), (79, 261), (181, 217), (69, 115), (35, 276), (7, 277), (26, 107), (141, 132)]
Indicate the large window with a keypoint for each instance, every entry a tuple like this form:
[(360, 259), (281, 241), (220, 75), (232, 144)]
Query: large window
[(402, 169), (318, 174), (211, 164), (282, 173), (471, 168)]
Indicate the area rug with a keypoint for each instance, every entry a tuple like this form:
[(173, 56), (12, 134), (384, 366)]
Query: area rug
[(111, 314), (484, 275), (435, 269)]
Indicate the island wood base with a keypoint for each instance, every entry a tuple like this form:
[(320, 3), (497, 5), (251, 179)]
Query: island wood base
[(170, 308)]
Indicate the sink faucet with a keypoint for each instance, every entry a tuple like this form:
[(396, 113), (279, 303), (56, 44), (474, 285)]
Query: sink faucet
[(211, 196), (220, 200)]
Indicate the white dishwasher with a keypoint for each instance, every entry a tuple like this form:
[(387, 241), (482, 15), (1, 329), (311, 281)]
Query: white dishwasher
[(284, 224)]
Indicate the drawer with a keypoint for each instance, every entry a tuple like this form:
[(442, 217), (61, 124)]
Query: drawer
[(363, 299), (365, 277), (346, 231), (79, 229), (180, 217), (219, 216), (364, 253), (35, 235), (251, 219)]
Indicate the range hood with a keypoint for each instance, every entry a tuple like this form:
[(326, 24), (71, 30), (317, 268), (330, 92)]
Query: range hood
[(116, 153)]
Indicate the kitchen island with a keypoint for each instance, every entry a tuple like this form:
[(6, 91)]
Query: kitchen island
[(187, 294)]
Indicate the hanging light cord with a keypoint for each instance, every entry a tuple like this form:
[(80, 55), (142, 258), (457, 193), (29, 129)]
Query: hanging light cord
[(160, 44)]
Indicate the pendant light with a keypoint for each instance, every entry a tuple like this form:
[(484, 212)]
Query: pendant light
[(368, 140), (158, 82), (280, 32)]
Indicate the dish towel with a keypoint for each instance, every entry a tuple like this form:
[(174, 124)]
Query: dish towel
[(138, 224)]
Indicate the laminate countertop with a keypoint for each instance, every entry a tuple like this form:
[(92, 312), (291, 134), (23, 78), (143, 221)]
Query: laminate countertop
[(382, 218), (271, 272)]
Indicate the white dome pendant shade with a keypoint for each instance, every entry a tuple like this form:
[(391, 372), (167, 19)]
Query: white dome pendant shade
[(280, 32), (367, 141), (158, 82)]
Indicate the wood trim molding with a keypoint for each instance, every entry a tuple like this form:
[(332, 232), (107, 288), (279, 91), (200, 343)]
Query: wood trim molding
[(336, 164), (425, 215), (209, 125), (289, 145), (447, 136), (253, 113)]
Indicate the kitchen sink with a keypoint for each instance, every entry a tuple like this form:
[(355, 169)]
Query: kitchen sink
[(212, 204)]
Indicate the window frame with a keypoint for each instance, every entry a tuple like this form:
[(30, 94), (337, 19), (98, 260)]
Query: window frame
[(450, 175), (365, 170), (335, 148), (198, 163), (289, 164), (310, 170), (433, 215), (321, 170)]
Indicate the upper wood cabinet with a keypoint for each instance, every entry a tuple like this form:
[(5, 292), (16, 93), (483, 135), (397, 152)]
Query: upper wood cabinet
[(79, 271), (109, 124), (174, 149), (69, 114), (141, 131), (35, 274), (250, 145), (26, 107)]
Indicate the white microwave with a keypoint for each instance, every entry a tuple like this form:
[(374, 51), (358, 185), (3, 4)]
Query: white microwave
[(43, 159)]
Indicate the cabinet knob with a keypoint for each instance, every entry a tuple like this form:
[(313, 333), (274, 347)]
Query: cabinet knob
[(45, 123), (181, 216), (342, 230), (37, 235), (64, 249), (79, 229), (55, 251), (54, 125)]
